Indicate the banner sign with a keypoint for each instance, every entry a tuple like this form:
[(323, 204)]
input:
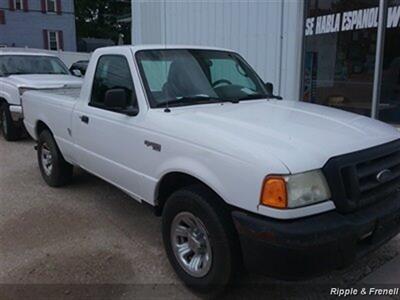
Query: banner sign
[(351, 20)]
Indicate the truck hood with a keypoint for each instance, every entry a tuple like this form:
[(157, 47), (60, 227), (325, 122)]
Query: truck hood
[(301, 136), (44, 81)]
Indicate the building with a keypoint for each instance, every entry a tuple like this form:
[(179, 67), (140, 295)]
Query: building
[(43, 24), (339, 53)]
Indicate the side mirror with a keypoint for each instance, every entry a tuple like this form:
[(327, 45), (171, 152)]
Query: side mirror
[(116, 99), (270, 90), (76, 72), (269, 87)]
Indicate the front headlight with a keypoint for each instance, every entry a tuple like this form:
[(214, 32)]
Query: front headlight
[(297, 190), (307, 188)]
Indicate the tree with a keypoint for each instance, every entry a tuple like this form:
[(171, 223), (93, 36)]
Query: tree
[(98, 19)]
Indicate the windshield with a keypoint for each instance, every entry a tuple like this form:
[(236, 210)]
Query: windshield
[(31, 64), (187, 77)]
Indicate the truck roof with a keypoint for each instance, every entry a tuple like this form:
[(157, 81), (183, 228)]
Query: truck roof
[(136, 48), (25, 51)]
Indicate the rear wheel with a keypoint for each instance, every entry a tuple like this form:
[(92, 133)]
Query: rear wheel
[(10, 131), (53, 167), (199, 239)]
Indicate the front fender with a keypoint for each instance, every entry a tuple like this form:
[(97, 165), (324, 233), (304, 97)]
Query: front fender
[(10, 94), (236, 181), (5, 97), (194, 168)]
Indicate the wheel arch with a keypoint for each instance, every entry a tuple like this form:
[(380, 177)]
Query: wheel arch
[(40, 127), (4, 98), (175, 180)]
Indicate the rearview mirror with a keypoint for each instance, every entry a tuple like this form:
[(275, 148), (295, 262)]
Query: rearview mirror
[(116, 99), (76, 72)]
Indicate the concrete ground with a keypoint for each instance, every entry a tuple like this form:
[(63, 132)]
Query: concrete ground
[(89, 240)]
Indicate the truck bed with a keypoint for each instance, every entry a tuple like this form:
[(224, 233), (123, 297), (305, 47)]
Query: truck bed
[(54, 107)]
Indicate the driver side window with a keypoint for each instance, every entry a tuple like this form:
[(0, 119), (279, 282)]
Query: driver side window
[(112, 72), (228, 70)]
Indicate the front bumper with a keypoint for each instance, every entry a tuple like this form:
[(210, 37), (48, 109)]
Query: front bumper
[(16, 113), (303, 248)]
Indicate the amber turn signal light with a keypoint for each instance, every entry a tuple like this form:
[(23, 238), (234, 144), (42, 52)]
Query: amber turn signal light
[(274, 192)]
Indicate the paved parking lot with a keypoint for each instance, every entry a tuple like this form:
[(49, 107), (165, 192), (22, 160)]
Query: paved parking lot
[(90, 241)]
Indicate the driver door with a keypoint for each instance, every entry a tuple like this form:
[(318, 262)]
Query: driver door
[(106, 140)]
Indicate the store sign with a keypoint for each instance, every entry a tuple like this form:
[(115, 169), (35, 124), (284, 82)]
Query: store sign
[(351, 20)]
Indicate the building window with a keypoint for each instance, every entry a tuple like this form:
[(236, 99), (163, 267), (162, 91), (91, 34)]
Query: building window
[(389, 105), (18, 4), (54, 41), (51, 6), (339, 59)]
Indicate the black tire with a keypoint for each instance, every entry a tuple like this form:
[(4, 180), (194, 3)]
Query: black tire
[(211, 211), (60, 172), (10, 131)]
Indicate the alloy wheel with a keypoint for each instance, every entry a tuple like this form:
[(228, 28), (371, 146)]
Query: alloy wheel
[(191, 244), (46, 159)]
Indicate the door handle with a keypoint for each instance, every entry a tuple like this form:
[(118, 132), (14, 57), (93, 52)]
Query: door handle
[(84, 119)]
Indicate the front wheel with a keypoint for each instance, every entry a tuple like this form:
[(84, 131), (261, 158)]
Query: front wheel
[(199, 239), (53, 167)]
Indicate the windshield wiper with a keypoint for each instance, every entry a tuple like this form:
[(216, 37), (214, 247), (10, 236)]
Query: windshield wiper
[(192, 100), (259, 96), (253, 96)]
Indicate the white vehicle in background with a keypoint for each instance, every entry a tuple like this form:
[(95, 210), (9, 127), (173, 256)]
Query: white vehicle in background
[(23, 70)]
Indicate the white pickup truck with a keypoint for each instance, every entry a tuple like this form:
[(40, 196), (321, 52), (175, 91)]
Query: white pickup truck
[(22, 70), (240, 177)]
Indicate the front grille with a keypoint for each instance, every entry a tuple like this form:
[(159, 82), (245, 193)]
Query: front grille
[(352, 177)]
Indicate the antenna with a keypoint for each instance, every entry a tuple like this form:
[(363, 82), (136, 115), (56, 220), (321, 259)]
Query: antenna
[(167, 110)]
